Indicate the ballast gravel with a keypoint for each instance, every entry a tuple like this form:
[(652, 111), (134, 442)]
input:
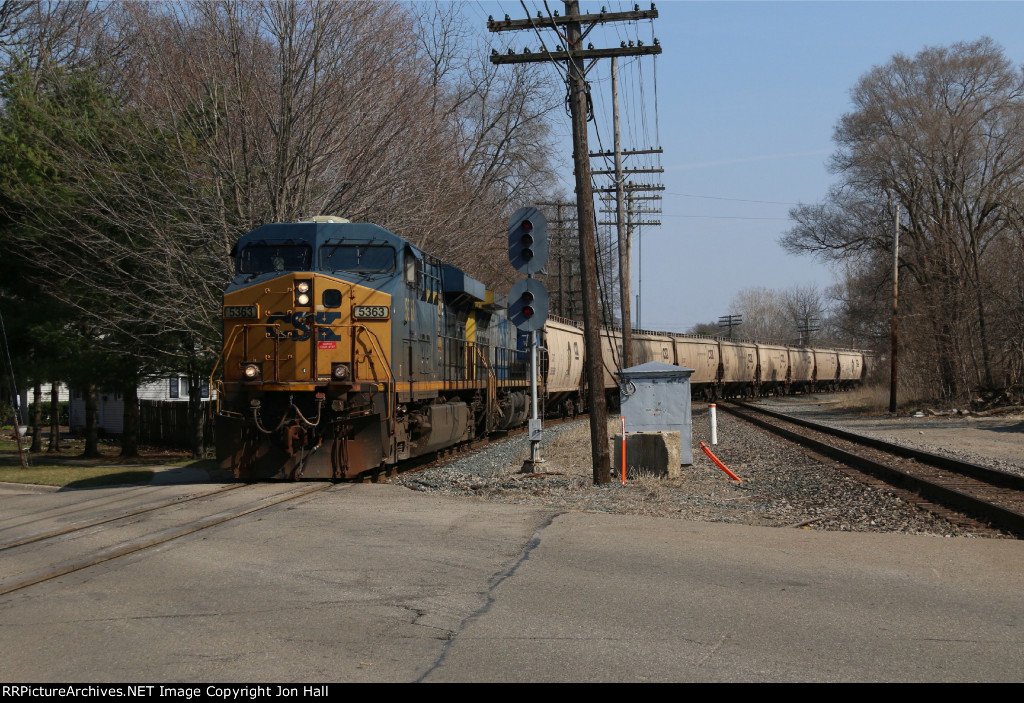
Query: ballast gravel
[(782, 486)]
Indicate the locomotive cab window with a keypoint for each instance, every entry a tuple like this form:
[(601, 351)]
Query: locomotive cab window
[(411, 269), (362, 258), (264, 257)]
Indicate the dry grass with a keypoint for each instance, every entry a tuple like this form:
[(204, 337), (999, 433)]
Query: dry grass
[(874, 399)]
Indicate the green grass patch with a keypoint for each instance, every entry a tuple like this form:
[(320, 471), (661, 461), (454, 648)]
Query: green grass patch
[(68, 469), (66, 476)]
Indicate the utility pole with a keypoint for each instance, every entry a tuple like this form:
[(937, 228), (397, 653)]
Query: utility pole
[(810, 324), (620, 227), (566, 303), (574, 55), (632, 224), (895, 307), (730, 321), (626, 242)]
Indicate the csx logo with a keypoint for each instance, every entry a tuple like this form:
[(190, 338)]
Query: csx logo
[(301, 321)]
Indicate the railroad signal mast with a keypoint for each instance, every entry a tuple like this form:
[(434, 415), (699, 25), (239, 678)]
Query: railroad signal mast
[(528, 300), (569, 48)]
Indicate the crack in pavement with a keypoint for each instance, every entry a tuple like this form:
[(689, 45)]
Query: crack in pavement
[(496, 580)]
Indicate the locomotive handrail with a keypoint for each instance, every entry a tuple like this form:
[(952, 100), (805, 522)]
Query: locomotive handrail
[(229, 344), (492, 387), (378, 349)]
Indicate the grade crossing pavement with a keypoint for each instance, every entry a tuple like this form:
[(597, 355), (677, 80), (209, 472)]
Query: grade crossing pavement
[(369, 582)]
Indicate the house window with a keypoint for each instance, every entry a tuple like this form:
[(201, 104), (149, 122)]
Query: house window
[(172, 388), (204, 388)]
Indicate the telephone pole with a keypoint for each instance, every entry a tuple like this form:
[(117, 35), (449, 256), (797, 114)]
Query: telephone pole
[(565, 302), (894, 341), (570, 33), (730, 321), (631, 211)]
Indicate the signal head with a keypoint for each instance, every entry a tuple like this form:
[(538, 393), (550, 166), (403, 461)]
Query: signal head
[(527, 240)]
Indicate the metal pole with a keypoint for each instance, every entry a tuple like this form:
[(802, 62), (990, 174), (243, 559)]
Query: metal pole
[(534, 418)]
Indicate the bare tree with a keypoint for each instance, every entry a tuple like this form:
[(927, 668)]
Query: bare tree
[(942, 133)]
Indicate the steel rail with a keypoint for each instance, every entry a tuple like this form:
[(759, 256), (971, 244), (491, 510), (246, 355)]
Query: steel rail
[(1003, 517), (97, 523), (987, 474), (138, 546)]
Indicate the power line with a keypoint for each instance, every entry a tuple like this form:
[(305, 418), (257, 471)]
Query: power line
[(729, 217), (735, 200)]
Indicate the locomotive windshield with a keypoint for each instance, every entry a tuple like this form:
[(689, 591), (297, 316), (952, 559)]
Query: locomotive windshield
[(357, 257), (264, 257)]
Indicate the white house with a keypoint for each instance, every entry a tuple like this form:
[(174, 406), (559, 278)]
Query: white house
[(110, 409)]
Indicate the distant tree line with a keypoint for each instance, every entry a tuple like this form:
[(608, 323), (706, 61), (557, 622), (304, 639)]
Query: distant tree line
[(800, 315), (138, 140), (935, 143)]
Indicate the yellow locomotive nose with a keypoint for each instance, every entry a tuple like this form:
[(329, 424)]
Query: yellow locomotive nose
[(303, 330)]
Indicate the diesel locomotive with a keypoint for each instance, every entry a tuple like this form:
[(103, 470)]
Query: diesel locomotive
[(347, 349)]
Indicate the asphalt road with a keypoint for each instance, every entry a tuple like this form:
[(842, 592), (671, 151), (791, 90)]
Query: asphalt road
[(379, 583)]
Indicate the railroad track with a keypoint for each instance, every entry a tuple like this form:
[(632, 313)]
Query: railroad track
[(33, 559), (31, 553), (945, 486)]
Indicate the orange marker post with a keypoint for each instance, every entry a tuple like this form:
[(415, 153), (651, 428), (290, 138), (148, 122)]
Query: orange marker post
[(623, 450), (722, 466)]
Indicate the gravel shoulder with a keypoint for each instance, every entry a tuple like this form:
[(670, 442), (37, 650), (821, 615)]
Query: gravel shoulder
[(782, 486)]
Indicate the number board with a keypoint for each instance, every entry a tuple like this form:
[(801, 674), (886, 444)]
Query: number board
[(240, 311), (371, 312)]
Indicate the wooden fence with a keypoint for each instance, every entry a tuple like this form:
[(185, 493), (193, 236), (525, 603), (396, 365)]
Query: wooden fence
[(164, 423)]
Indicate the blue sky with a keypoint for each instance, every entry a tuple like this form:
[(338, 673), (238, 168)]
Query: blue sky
[(748, 94)]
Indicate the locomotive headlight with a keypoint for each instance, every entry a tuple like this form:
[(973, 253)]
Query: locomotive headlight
[(302, 286), (339, 372), (252, 372), (302, 299), (302, 292)]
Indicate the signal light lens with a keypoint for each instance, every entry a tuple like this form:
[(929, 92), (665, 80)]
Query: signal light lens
[(528, 311), (527, 225)]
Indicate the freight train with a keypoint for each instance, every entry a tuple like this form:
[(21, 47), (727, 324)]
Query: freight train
[(347, 349)]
